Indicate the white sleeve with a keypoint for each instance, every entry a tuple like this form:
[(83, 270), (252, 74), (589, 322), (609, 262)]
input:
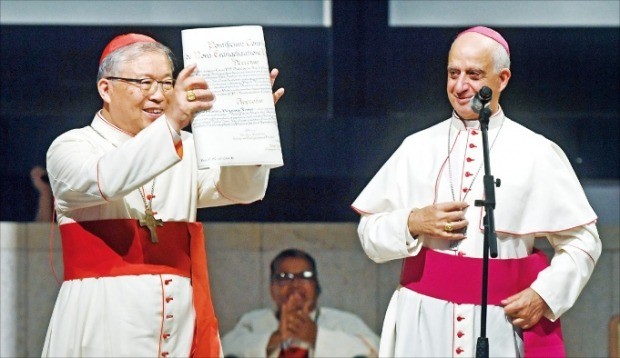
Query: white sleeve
[(385, 236), (232, 185), (350, 337), (245, 341), (576, 253), (83, 174)]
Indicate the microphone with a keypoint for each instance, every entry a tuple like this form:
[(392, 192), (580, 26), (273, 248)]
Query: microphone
[(481, 99)]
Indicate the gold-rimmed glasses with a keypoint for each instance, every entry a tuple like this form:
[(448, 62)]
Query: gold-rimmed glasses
[(147, 85)]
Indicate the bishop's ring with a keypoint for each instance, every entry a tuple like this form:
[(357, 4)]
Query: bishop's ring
[(448, 227), (191, 96)]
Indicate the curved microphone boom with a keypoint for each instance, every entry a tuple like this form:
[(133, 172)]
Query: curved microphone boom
[(481, 99)]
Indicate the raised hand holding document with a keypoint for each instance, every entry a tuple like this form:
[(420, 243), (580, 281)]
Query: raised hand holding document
[(241, 128)]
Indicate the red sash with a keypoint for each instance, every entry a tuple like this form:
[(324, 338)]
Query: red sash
[(117, 247), (293, 352), (458, 279)]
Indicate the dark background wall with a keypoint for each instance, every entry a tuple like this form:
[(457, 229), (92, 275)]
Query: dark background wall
[(354, 92)]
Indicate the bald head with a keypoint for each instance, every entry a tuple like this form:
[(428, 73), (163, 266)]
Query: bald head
[(490, 33), (475, 41), (474, 61)]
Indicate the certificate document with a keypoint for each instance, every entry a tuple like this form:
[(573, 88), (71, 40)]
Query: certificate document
[(241, 128)]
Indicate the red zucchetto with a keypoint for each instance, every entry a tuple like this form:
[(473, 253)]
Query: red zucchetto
[(123, 40)]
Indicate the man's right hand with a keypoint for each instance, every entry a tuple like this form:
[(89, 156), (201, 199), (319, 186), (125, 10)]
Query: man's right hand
[(290, 313), (180, 110), (295, 321), (441, 221)]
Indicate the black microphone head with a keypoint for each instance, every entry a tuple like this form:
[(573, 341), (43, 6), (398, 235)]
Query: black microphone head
[(481, 99), (485, 94), (475, 104)]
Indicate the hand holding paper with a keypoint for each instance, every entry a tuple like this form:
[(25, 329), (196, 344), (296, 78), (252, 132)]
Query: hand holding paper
[(280, 92), (181, 111), (241, 128)]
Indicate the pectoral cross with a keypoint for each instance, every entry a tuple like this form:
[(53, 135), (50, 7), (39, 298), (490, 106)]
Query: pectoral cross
[(151, 223)]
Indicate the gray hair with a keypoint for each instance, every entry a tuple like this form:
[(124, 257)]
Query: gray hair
[(501, 59), (112, 63)]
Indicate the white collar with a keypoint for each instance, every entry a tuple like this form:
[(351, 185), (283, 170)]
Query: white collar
[(494, 122), (109, 131)]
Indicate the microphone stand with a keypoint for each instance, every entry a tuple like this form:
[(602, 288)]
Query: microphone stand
[(490, 237)]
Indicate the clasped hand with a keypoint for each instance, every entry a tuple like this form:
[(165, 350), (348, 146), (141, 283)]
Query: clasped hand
[(295, 321), (434, 220)]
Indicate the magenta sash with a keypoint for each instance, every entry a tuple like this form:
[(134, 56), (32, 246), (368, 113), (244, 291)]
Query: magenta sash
[(458, 279)]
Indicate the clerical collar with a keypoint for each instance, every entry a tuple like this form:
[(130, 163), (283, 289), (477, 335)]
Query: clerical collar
[(109, 131), (494, 122)]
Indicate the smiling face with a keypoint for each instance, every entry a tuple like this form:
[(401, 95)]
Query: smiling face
[(126, 105), (303, 290), (470, 67)]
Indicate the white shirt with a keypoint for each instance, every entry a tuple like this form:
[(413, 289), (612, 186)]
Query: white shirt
[(339, 334)]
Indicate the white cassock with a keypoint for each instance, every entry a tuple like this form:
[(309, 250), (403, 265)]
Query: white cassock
[(97, 173), (539, 196), (339, 334)]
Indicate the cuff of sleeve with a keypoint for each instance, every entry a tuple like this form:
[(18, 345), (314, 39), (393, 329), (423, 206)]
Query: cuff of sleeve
[(176, 139), (414, 243), (553, 313), (248, 183)]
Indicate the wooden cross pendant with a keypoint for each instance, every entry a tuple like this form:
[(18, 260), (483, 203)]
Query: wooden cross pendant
[(151, 223)]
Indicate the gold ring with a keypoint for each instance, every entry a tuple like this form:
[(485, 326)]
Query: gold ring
[(448, 227), (191, 96)]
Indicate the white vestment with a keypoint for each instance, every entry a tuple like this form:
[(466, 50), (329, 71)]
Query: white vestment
[(539, 196), (339, 334), (97, 173)]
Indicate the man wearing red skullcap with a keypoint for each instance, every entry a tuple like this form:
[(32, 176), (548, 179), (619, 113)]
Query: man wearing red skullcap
[(420, 208), (127, 190)]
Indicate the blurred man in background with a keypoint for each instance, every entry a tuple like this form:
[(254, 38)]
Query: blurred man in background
[(298, 327)]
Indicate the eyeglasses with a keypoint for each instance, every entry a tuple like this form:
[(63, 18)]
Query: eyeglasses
[(284, 278), (147, 84)]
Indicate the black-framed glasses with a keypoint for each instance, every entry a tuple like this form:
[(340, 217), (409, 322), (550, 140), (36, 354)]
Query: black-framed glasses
[(283, 278), (147, 85)]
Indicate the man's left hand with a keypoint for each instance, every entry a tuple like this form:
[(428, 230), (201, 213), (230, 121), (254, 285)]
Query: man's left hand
[(525, 308), (301, 326), (280, 91)]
